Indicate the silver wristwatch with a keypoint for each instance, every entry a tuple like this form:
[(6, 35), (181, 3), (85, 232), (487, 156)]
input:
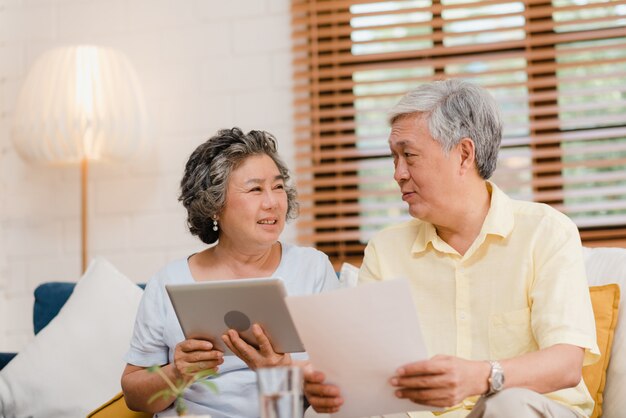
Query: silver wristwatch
[(496, 378)]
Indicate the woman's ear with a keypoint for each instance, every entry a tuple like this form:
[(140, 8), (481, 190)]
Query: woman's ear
[(467, 152)]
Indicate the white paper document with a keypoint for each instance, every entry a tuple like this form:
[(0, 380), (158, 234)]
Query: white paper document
[(358, 337)]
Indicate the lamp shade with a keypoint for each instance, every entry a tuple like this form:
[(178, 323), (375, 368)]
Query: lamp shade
[(79, 103)]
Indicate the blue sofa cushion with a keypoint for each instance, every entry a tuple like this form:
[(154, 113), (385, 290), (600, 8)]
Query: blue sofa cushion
[(49, 299), (5, 358)]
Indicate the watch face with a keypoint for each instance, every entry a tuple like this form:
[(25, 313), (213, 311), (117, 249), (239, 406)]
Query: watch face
[(497, 381)]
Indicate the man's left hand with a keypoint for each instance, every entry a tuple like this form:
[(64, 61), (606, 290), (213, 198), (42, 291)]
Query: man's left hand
[(442, 381)]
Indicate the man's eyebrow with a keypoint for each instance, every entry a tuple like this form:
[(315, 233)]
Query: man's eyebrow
[(400, 143)]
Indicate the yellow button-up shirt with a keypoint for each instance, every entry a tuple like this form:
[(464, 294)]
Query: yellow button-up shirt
[(520, 287)]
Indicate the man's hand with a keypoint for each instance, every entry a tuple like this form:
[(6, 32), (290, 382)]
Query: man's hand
[(324, 398), (263, 356), (192, 356), (442, 381)]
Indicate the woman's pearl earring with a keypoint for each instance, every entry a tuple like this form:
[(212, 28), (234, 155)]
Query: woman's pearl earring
[(215, 225)]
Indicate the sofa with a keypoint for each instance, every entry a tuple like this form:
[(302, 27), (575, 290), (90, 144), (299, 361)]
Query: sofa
[(74, 362), (82, 331), (49, 299)]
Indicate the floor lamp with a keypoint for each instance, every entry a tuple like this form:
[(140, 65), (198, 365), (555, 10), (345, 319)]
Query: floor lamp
[(79, 104)]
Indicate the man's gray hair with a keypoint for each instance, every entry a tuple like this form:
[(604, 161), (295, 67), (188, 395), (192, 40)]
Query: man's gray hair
[(204, 184), (456, 109)]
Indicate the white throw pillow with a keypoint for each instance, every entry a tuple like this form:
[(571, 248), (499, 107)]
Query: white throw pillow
[(604, 266), (75, 363)]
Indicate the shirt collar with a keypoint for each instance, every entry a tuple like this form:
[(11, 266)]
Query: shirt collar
[(500, 218), (499, 221), (426, 233)]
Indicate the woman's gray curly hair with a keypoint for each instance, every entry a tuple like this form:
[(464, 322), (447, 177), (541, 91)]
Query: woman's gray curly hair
[(204, 184)]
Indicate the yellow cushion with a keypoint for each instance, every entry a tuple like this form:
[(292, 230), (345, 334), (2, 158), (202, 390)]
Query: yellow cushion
[(605, 301), (116, 408)]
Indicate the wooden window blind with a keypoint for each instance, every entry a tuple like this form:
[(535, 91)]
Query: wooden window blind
[(557, 69)]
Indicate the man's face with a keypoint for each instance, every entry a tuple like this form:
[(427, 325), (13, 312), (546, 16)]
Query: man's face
[(426, 175)]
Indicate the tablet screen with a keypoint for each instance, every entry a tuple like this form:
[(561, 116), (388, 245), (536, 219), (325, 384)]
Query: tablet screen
[(206, 310)]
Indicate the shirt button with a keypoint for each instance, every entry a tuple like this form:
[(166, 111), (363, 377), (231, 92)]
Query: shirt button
[(463, 316)]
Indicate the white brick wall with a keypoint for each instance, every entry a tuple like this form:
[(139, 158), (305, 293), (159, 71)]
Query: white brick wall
[(203, 65)]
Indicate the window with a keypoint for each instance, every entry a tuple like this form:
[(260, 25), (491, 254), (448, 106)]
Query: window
[(557, 69)]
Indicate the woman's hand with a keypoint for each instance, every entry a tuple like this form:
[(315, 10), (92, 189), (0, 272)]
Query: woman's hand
[(263, 356), (192, 356)]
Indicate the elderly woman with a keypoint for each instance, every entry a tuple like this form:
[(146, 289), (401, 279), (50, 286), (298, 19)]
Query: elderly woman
[(237, 195)]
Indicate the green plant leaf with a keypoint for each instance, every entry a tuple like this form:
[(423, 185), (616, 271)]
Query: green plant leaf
[(204, 373), (209, 384), (165, 394), (154, 368), (181, 406), (178, 388)]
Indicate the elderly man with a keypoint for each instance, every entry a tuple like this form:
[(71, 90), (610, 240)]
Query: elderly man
[(499, 284)]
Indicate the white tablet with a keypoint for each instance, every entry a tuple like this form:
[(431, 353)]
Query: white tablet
[(206, 310)]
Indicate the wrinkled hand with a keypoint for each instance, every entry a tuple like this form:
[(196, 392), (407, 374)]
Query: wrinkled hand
[(441, 381), (323, 397), (192, 356), (263, 356)]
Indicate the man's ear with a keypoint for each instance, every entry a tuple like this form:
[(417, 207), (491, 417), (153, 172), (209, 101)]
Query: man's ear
[(467, 152)]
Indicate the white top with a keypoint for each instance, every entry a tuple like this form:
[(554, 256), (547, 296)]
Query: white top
[(302, 270)]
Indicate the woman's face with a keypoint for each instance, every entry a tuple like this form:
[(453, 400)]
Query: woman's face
[(256, 203)]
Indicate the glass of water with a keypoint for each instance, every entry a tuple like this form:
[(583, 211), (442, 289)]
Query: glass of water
[(280, 392)]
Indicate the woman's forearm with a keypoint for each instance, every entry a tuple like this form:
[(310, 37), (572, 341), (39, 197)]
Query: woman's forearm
[(139, 385)]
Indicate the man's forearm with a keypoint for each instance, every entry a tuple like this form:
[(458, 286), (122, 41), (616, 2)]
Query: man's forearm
[(554, 368)]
